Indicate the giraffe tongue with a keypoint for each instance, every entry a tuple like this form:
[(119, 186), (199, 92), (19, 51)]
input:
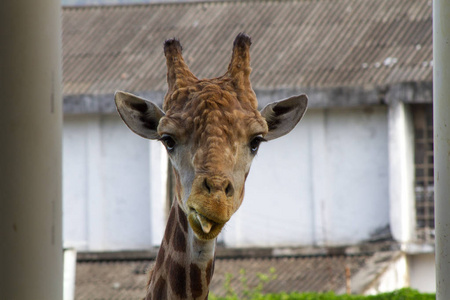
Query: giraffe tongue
[(205, 223)]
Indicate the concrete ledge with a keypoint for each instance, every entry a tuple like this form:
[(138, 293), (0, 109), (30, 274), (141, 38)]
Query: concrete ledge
[(101, 104), (151, 254), (418, 248), (334, 97), (224, 252), (117, 255), (325, 97), (89, 104), (410, 92)]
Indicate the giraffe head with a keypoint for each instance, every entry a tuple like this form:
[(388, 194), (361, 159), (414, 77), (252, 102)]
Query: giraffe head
[(212, 130)]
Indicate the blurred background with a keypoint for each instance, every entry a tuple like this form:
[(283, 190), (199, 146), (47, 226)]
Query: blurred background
[(343, 203)]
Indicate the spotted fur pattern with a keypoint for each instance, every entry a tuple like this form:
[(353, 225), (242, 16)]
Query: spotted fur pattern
[(175, 274)]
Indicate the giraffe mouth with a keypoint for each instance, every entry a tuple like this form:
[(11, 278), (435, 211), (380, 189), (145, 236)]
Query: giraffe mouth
[(203, 227), (205, 223)]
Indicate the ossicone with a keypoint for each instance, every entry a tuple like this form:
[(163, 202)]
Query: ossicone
[(172, 47), (178, 73), (239, 67)]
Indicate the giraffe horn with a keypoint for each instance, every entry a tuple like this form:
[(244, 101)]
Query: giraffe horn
[(239, 67), (178, 73)]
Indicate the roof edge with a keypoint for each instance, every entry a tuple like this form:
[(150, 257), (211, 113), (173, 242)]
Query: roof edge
[(102, 103), (326, 97), (153, 3), (250, 252)]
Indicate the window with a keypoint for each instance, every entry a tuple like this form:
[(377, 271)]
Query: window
[(424, 171)]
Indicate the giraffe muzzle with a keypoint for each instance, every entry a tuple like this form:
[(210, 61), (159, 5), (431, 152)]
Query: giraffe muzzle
[(210, 204)]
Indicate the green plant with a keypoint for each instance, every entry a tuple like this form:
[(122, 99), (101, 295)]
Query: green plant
[(248, 292), (230, 293), (262, 280), (402, 294)]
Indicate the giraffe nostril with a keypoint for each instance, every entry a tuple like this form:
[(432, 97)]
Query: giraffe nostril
[(214, 185), (206, 185), (229, 190)]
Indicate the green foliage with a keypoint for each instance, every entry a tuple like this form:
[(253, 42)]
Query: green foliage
[(248, 293), (255, 292), (402, 294)]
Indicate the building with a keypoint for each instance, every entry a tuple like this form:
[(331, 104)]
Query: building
[(358, 168)]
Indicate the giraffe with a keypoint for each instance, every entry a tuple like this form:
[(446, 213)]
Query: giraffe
[(211, 129)]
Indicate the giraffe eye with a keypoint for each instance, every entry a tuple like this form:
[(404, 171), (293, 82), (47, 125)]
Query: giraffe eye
[(168, 142), (255, 142)]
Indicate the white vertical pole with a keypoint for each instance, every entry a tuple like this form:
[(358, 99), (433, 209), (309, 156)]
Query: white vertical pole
[(31, 256), (70, 266), (401, 172), (441, 111), (158, 191)]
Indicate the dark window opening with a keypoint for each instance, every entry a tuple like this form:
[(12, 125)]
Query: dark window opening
[(424, 171)]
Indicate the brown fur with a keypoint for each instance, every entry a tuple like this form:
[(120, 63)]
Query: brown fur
[(160, 289), (209, 271), (196, 281), (177, 277), (179, 239)]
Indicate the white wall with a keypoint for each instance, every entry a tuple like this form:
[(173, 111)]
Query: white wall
[(394, 277), (416, 271), (326, 183), (105, 185), (422, 272)]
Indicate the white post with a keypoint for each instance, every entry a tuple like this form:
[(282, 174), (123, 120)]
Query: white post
[(441, 111), (70, 267), (401, 172), (31, 255), (158, 191)]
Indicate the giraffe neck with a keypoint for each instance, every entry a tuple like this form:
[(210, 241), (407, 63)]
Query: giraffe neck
[(184, 264)]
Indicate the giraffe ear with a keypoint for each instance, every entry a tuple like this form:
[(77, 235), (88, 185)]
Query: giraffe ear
[(140, 115), (282, 116)]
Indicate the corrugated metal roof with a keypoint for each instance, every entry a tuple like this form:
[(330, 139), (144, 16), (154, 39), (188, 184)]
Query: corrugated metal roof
[(303, 43), (292, 274), (320, 273)]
